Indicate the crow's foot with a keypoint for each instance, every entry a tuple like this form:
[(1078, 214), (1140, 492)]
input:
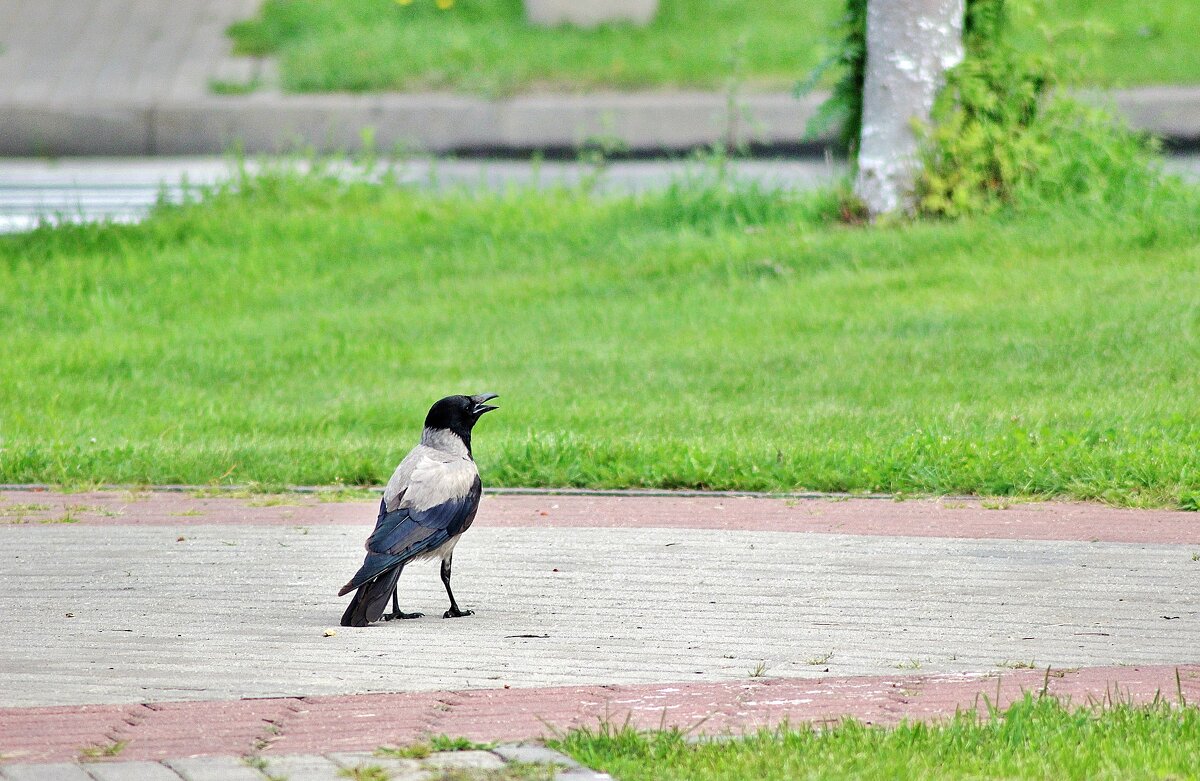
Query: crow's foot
[(400, 615), (455, 613)]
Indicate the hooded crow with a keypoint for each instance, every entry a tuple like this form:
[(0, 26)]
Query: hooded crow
[(429, 502)]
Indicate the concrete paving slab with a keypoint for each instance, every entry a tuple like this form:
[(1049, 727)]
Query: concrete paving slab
[(398, 767), (535, 753), (467, 760), (50, 771), (291, 768), (132, 771), (303, 767), (213, 768)]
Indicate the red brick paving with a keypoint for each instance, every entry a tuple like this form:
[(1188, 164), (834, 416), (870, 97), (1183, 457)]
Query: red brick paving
[(363, 722), (914, 518)]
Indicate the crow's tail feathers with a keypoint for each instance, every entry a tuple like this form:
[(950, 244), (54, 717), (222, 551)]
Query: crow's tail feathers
[(371, 599), (374, 565)]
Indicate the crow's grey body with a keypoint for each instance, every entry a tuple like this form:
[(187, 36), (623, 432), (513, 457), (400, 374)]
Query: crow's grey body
[(429, 502)]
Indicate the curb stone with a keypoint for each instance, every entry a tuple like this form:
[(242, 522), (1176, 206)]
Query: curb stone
[(651, 123), (302, 767)]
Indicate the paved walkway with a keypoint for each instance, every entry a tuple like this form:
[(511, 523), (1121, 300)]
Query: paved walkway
[(176, 625), (72, 52), (132, 77)]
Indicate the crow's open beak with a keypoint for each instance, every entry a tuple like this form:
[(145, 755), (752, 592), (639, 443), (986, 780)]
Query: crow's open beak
[(480, 407)]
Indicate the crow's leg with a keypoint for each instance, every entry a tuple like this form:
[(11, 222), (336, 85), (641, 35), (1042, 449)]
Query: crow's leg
[(454, 611), (396, 612)]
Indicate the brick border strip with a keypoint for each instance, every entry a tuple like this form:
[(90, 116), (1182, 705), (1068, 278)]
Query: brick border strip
[(957, 518), (305, 725)]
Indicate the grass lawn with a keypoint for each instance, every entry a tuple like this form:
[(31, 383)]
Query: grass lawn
[(485, 46), (1034, 739), (297, 331)]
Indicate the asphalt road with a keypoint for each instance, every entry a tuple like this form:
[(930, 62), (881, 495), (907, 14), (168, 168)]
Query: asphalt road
[(123, 189)]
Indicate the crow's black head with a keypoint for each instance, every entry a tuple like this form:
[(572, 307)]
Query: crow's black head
[(459, 414)]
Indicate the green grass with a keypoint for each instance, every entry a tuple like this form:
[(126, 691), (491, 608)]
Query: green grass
[(365, 773), (1120, 43), (1032, 739), (106, 751), (226, 87), (296, 333), (434, 743), (448, 743), (485, 46)]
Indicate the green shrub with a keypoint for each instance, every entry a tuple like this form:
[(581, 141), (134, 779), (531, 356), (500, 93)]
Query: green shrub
[(1004, 131)]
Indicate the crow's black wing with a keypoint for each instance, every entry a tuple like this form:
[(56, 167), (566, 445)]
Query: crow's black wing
[(416, 526)]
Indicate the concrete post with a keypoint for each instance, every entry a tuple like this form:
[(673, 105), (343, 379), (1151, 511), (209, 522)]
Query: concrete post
[(590, 13)]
